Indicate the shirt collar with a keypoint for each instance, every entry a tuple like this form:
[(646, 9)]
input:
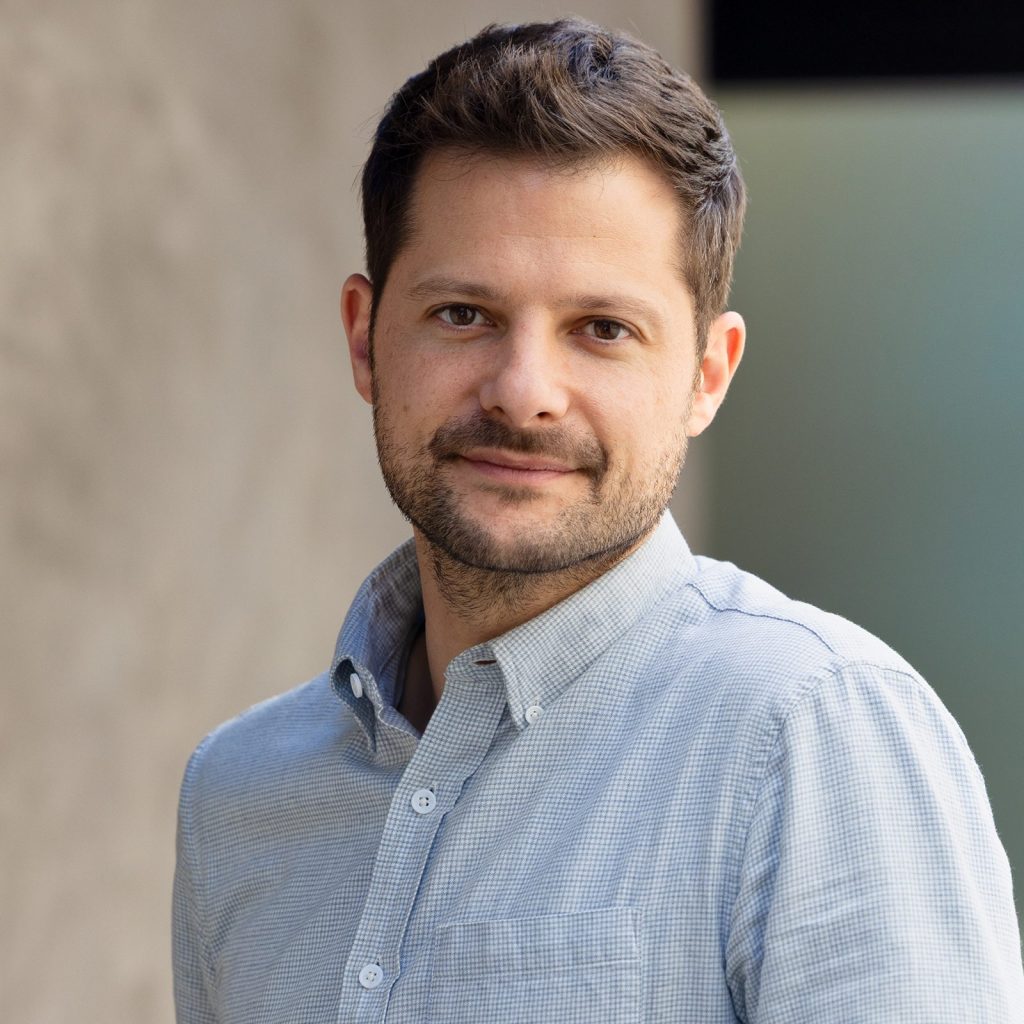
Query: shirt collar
[(375, 636), (538, 659), (543, 656)]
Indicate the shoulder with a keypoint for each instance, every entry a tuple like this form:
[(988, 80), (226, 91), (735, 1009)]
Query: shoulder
[(275, 738), (831, 718), (764, 640), (758, 668), (750, 610)]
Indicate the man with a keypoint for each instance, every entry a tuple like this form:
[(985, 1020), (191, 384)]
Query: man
[(561, 769)]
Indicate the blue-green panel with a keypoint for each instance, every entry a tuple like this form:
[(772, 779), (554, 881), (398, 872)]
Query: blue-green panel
[(870, 458)]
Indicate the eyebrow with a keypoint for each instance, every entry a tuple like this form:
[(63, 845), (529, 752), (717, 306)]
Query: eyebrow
[(620, 303), (432, 287)]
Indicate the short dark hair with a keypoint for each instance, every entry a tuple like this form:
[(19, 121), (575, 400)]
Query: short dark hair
[(565, 92)]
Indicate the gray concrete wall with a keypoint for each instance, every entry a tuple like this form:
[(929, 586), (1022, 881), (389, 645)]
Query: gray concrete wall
[(189, 495)]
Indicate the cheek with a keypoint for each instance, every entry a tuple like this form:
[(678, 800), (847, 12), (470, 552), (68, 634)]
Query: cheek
[(656, 432), (646, 412), (419, 392)]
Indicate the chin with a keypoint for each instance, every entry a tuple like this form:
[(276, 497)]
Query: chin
[(526, 548)]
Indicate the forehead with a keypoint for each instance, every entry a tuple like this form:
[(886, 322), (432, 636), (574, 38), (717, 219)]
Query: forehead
[(482, 179), (616, 216)]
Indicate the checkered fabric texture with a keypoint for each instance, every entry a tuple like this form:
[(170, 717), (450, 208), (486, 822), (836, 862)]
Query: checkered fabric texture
[(677, 796)]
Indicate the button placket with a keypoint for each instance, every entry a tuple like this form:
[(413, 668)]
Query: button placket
[(443, 758)]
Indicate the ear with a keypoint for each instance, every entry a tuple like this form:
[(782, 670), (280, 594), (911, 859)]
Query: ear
[(356, 303), (726, 337)]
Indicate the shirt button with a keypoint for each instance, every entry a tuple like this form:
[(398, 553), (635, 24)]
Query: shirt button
[(371, 976), (533, 712), (357, 685), (423, 801)]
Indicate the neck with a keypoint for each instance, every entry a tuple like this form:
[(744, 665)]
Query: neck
[(465, 606)]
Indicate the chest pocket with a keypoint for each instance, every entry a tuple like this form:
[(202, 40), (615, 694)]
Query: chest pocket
[(565, 968)]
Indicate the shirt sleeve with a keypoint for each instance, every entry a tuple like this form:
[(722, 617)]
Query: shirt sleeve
[(873, 887), (193, 973)]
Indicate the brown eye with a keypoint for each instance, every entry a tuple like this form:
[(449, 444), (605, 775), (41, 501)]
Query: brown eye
[(458, 316), (608, 330)]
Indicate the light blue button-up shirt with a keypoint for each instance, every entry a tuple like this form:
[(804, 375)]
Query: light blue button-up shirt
[(677, 796)]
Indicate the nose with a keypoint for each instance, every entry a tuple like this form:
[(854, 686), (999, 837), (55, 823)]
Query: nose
[(525, 383)]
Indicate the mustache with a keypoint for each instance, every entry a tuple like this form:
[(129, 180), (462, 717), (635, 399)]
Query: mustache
[(457, 436)]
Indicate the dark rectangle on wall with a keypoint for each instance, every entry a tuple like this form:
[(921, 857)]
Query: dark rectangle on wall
[(755, 41)]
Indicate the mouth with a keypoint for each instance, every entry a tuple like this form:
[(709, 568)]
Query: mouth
[(514, 467), (486, 449)]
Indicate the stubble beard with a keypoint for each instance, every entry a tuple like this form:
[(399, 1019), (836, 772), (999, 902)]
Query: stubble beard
[(478, 575)]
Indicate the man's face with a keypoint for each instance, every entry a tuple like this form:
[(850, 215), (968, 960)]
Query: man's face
[(534, 360)]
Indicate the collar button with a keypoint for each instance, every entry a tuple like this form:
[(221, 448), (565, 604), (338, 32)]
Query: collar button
[(357, 685)]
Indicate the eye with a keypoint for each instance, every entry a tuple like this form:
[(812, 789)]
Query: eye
[(460, 316), (606, 330)]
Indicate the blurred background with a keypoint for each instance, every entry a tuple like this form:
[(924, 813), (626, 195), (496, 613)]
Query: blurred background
[(189, 490)]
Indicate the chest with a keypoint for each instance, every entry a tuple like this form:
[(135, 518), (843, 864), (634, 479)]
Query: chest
[(549, 878)]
